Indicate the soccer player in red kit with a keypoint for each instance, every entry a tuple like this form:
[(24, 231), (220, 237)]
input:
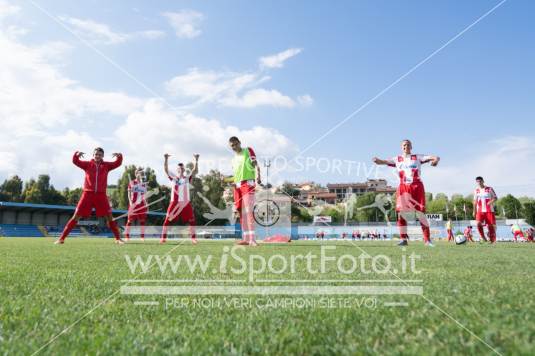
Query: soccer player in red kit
[(180, 206), (468, 233), (484, 199), (94, 192), (137, 204), (411, 192)]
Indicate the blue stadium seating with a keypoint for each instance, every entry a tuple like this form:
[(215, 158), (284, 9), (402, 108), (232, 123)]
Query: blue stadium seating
[(55, 231), (17, 230)]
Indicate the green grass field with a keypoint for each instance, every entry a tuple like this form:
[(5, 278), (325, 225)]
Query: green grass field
[(489, 290)]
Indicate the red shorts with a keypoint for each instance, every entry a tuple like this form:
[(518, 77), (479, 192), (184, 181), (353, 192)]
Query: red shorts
[(90, 200), (245, 188), (178, 211), (488, 217), (137, 212), (410, 197), (518, 233)]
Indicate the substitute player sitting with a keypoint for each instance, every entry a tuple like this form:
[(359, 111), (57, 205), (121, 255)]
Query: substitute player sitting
[(484, 199), (137, 203), (411, 192), (180, 206), (94, 192)]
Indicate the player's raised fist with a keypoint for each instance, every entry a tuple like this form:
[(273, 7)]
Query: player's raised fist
[(116, 154), (80, 154), (375, 160), (196, 156), (166, 155)]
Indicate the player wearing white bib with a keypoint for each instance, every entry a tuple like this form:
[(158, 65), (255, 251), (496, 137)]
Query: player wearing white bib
[(180, 206), (484, 199), (410, 196), (137, 204)]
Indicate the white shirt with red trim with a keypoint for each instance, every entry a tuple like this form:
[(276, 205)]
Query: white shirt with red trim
[(180, 189), (409, 167), (483, 196), (138, 190)]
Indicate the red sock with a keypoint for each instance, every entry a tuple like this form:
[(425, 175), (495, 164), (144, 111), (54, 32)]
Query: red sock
[(481, 231), (427, 233), (127, 229), (402, 224), (492, 233), (142, 227), (113, 226), (68, 228), (164, 229)]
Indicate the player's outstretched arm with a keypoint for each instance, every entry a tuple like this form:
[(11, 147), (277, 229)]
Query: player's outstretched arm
[(166, 164), (381, 162), (118, 161), (431, 159), (77, 161), (195, 165)]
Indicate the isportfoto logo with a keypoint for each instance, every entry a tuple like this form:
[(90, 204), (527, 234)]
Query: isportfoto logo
[(255, 264), (247, 274)]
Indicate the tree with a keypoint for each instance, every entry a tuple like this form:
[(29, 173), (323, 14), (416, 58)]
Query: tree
[(42, 192), (529, 212), (11, 189), (511, 206), (367, 214), (72, 196), (289, 189), (441, 196)]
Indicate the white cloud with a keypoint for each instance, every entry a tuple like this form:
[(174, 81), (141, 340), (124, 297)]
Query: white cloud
[(231, 89), (277, 60), (158, 130), (7, 9), (259, 97), (305, 100), (43, 115), (185, 23), (99, 33)]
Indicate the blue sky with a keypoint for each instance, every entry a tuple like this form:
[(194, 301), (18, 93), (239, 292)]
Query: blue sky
[(472, 103)]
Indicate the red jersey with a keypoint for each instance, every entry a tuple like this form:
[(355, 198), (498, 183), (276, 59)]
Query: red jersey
[(409, 167), (138, 191), (482, 197), (180, 191), (96, 175)]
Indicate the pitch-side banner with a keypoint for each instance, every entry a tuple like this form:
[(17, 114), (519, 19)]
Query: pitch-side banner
[(434, 217), (323, 219)]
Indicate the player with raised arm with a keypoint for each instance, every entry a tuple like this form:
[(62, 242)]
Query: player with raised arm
[(94, 192), (137, 203), (180, 206), (484, 199), (411, 192), (246, 176)]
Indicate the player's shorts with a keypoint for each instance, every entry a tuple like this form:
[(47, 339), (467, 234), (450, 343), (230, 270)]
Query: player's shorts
[(245, 188), (180, 212), (410, 197), (138, 212), (486, 217), (518, 233), (90, 200)]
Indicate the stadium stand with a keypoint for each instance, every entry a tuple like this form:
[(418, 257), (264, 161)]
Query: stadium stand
[(20, 230), (40, 220)]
